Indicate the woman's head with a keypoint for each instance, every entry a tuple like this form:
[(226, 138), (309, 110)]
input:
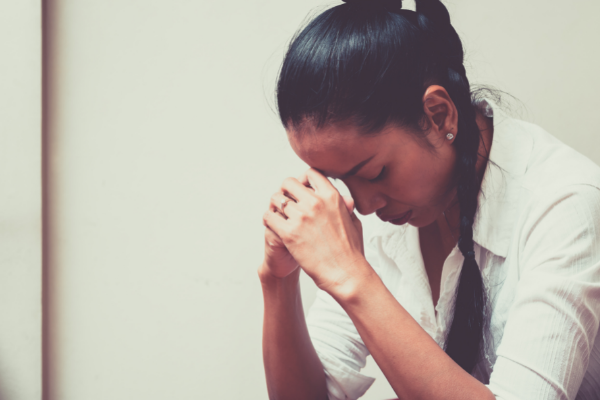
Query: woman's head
[(369, 79), (365, 69), (395, 171)]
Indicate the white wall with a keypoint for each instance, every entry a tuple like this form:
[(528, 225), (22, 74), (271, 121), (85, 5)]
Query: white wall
[(20, 200), (164, 153), (543, 53)]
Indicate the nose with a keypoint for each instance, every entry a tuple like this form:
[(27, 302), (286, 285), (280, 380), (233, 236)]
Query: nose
[(366, 200)]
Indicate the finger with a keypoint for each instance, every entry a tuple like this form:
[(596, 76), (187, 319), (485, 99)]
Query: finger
[(349, 203), (275, 222), (316, 180), (292, 187), (272, 239), (279, 202), (290, 209), (300, 178), (356, 222), (358, 226), (276, 213)]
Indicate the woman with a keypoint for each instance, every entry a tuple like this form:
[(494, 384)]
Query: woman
[(482, 279)]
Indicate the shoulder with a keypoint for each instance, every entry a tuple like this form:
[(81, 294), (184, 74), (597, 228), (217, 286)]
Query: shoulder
[(560, 230), (566, 205), (552, 206), (552, 180), (559, 184), (552, 164)]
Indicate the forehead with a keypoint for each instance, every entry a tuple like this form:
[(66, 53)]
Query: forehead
[(335, 150)]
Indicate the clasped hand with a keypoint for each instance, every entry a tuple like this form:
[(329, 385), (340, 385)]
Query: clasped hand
[(316, 230)]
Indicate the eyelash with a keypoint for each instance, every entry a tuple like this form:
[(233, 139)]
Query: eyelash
[(378, 177)]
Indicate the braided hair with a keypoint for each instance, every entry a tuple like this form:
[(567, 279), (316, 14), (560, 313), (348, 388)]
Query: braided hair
[(368, 63)]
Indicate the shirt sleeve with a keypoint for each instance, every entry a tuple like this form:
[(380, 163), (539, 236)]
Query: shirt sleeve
[(338, 344), (339, 347), (553, 322)]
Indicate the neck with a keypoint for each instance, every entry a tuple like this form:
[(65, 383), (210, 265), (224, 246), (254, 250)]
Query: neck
[(449, 221)]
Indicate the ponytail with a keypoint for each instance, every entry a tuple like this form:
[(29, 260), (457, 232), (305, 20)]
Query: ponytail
[(465, 339), (464, 342)]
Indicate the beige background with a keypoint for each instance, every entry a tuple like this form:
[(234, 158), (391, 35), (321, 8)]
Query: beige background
[(164, 150), (20, 200)]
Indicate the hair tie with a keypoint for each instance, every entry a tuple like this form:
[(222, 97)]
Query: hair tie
[(376, 3)]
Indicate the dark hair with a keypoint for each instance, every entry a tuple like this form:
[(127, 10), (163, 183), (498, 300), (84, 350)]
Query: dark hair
[(368, 63)]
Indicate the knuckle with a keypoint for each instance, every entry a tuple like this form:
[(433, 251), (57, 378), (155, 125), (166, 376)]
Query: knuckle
[(287, 182), (266, 216), (317, 203), (275, 198), (303, 217), (287, 235), (316, 207), (292, 236), (312, 202), (332, 196)]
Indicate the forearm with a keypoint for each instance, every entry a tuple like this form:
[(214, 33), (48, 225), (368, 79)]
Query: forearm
[(292, 367), (413, 363)]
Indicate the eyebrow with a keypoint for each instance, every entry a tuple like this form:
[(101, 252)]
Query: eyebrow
[(356, 168)]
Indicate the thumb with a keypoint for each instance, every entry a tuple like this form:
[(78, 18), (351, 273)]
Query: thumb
[(349, 203)]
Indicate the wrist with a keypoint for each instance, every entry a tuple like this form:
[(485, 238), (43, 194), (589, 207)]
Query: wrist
[(280, 292), (359, 284), (268, 279)]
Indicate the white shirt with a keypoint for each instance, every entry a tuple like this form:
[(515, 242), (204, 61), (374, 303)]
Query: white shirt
[(537, 244)]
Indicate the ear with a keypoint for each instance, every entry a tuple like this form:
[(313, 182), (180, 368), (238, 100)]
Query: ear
[(440, 112)]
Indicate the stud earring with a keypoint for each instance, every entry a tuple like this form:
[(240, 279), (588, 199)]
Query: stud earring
[(449, 136)]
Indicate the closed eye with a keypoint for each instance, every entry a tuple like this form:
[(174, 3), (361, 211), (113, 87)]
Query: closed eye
[(378, 177)]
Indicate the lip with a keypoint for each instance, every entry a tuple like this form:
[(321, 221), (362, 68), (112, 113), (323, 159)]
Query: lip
[(398, 219)]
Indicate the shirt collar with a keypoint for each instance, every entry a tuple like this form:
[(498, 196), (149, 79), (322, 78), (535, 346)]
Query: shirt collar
[(498, 198)]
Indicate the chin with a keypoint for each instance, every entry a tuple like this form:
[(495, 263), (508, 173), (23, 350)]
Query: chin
[(420, 222), (416, 224)]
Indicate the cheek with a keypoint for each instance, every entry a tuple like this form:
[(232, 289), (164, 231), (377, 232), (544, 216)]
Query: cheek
[(423, 183)]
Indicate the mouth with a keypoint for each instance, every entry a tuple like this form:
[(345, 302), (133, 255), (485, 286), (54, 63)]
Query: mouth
[(399, 219)]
